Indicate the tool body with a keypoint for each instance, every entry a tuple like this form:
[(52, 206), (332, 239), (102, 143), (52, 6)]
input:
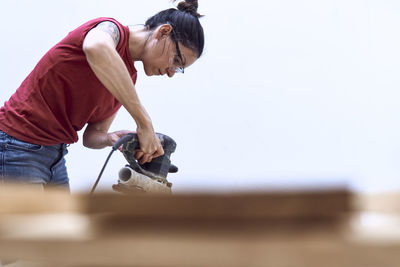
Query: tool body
[(148, 177)]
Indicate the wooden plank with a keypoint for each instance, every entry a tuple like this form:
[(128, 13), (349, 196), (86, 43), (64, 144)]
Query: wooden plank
[(207, 206), (29, 200), (318, 204), (387, 202), (192, 250)]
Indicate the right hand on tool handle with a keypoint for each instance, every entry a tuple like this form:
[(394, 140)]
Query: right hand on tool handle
[(150, 145)]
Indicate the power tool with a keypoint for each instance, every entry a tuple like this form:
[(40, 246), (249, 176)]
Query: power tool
[(149, 177)]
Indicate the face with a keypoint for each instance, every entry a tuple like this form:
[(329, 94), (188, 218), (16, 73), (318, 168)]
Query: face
[(162, 57)]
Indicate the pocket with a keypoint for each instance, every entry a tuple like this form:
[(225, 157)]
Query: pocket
[(21, 145)]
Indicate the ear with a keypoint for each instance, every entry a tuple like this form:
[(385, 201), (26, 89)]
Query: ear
[(163, 31)]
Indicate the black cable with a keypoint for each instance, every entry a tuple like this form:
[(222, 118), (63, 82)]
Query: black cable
[(117, 144), (101, 172)]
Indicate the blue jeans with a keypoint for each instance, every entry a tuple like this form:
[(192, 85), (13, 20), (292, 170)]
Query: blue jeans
[(42, 166)]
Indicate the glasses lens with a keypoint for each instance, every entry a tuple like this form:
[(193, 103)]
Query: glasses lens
[(179, 70)]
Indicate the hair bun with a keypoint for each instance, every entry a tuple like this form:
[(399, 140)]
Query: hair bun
[(190, 6)]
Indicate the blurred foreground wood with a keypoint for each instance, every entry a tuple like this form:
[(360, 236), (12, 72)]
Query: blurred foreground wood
[(299, 229)]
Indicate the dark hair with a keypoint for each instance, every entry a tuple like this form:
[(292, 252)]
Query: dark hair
[(185, 22)]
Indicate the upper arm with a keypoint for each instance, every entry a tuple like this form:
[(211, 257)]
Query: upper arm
[(105, 32), (101, 126)]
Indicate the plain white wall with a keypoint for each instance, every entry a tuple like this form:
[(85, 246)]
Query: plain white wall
[(287, 94)]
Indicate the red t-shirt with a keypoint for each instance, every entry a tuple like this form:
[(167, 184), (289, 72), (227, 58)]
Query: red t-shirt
[(62, 93)]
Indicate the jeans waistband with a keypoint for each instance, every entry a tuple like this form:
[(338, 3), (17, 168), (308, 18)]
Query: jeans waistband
[(61, 146)]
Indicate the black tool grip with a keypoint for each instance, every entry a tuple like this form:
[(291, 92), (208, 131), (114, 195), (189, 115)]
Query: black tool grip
[(123, 140)]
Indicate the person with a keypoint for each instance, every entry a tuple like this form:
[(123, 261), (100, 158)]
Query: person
[(84, 80)]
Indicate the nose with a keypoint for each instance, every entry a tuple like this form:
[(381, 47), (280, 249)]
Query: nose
[(170, 73)]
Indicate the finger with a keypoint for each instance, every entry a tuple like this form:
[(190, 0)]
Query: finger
[(142, 161), (138, 155), (149, 150), (159, 152), (147, 158)]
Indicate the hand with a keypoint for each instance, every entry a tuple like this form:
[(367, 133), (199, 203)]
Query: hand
[(115, 136), (150, 145)]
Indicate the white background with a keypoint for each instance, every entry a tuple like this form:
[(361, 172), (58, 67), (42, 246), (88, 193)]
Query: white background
[(291, 93)]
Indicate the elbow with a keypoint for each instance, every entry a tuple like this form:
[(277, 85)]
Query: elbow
[(95, 139), (86, 143), (86, 140)]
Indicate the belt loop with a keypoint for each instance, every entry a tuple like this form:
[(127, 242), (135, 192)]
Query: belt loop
[(64, 146)]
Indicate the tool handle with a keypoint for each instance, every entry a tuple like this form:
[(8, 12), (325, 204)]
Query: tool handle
[(123, 140)]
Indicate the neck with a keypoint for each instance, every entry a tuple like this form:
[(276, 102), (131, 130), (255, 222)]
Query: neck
[(137, 40)]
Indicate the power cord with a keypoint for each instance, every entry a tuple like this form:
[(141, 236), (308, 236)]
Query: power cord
[(117, 144)]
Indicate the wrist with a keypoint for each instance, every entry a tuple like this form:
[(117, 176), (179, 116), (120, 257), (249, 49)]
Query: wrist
[(139, 114), (144, 124), (108, 140)]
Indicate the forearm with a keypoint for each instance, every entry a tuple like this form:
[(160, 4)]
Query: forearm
[(113, 74), (96, 139), (96, 135)]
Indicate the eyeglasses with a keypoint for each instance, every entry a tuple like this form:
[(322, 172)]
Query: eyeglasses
[(177, 61)]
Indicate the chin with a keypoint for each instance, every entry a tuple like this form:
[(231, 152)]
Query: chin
[(147, 71)]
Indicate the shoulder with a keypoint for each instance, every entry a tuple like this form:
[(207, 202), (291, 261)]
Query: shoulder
[(96, 21), (106, 23), (110, 26)]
